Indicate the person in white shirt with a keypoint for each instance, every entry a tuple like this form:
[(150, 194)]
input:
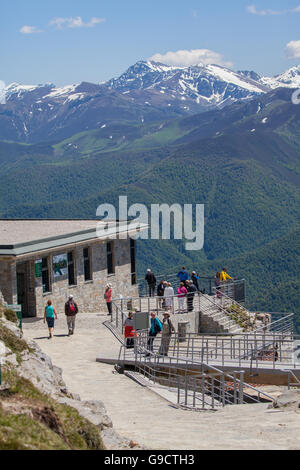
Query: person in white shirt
[(168, 296)]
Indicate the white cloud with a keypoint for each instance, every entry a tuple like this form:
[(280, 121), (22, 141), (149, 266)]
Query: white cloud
[(30, 30), (75, 22), (253, 9), (187, 58), (292, 50)]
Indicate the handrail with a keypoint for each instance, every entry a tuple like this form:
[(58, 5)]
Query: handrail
[(238, 384)]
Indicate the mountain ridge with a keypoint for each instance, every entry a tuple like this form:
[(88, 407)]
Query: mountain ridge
[(145, 93)]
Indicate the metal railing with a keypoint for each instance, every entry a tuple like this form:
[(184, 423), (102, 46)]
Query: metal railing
[(208, 389), (228, 314), (271, 351), (206, 285), (254, 321), (196, 302), (191, 302), (293, 381)]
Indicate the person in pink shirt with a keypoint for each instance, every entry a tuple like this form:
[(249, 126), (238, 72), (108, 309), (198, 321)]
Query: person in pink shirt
[(108, 298), (182, 291)]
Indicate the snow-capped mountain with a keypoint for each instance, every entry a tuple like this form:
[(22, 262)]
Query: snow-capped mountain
[(146, 92), (289, 79), (197, 88), (46, 113), (204, 85)]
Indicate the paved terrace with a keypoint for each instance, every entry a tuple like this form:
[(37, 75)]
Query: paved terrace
[(140, 414)]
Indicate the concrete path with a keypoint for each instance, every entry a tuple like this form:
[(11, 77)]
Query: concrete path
[(141, 415)]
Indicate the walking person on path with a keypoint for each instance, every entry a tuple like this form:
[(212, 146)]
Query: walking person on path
[(167, 330), (129, 331), (151, 280), (50, 315), (181, 291), (155, 328), (71, 310), (108, 298), (190, 296)]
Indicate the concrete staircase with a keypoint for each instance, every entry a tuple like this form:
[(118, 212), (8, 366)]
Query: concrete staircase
[(214, 319)]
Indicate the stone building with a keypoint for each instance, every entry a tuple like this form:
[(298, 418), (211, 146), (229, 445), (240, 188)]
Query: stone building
[(51, 259)]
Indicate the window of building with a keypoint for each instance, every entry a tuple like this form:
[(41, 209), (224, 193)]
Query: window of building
[(45, 275), (110, 258), (87, 264), (133, 261), (71, 269)]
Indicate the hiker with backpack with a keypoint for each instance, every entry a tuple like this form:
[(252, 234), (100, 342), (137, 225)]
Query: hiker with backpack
[(71, 310), (155, 329)]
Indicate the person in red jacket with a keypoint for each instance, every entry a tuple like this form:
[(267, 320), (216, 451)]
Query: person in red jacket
[(108, 298), (129, 331)]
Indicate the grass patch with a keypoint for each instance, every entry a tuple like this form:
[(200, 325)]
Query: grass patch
[(10, 315), (30, 419), (15, 344)]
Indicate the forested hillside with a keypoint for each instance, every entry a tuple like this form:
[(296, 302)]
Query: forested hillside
[(242, 163)]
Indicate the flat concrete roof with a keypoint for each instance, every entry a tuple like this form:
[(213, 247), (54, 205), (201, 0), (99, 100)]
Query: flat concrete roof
[(18, 237), (24, 231)]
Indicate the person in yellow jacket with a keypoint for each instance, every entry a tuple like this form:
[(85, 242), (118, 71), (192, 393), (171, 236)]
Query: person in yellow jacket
[(224, 275)]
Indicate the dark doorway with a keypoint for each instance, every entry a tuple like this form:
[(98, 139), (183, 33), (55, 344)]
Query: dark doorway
[(21, 290), (26, 288)]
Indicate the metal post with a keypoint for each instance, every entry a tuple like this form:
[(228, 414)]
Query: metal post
[(241, 391), (185, 391), (194, 394), (223, 352), (234, 388), (223, 389)]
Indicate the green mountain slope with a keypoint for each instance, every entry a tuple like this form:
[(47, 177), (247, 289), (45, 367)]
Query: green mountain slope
[(242, 163)]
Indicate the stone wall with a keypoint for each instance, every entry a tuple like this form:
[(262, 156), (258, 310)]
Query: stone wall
[(8, 282), (89, 295), (191, 318)]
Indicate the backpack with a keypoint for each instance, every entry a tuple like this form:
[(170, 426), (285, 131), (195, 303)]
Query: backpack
[(72, 308)]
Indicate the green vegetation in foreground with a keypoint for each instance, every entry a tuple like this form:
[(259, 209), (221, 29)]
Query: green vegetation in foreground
[(30, 420)]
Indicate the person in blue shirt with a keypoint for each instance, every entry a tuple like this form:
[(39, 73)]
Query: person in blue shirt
[(155, 328), (183, 275), (195, 279), (49, 316)]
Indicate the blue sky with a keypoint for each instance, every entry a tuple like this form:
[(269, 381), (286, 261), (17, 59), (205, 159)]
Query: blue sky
[(68, 41)]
